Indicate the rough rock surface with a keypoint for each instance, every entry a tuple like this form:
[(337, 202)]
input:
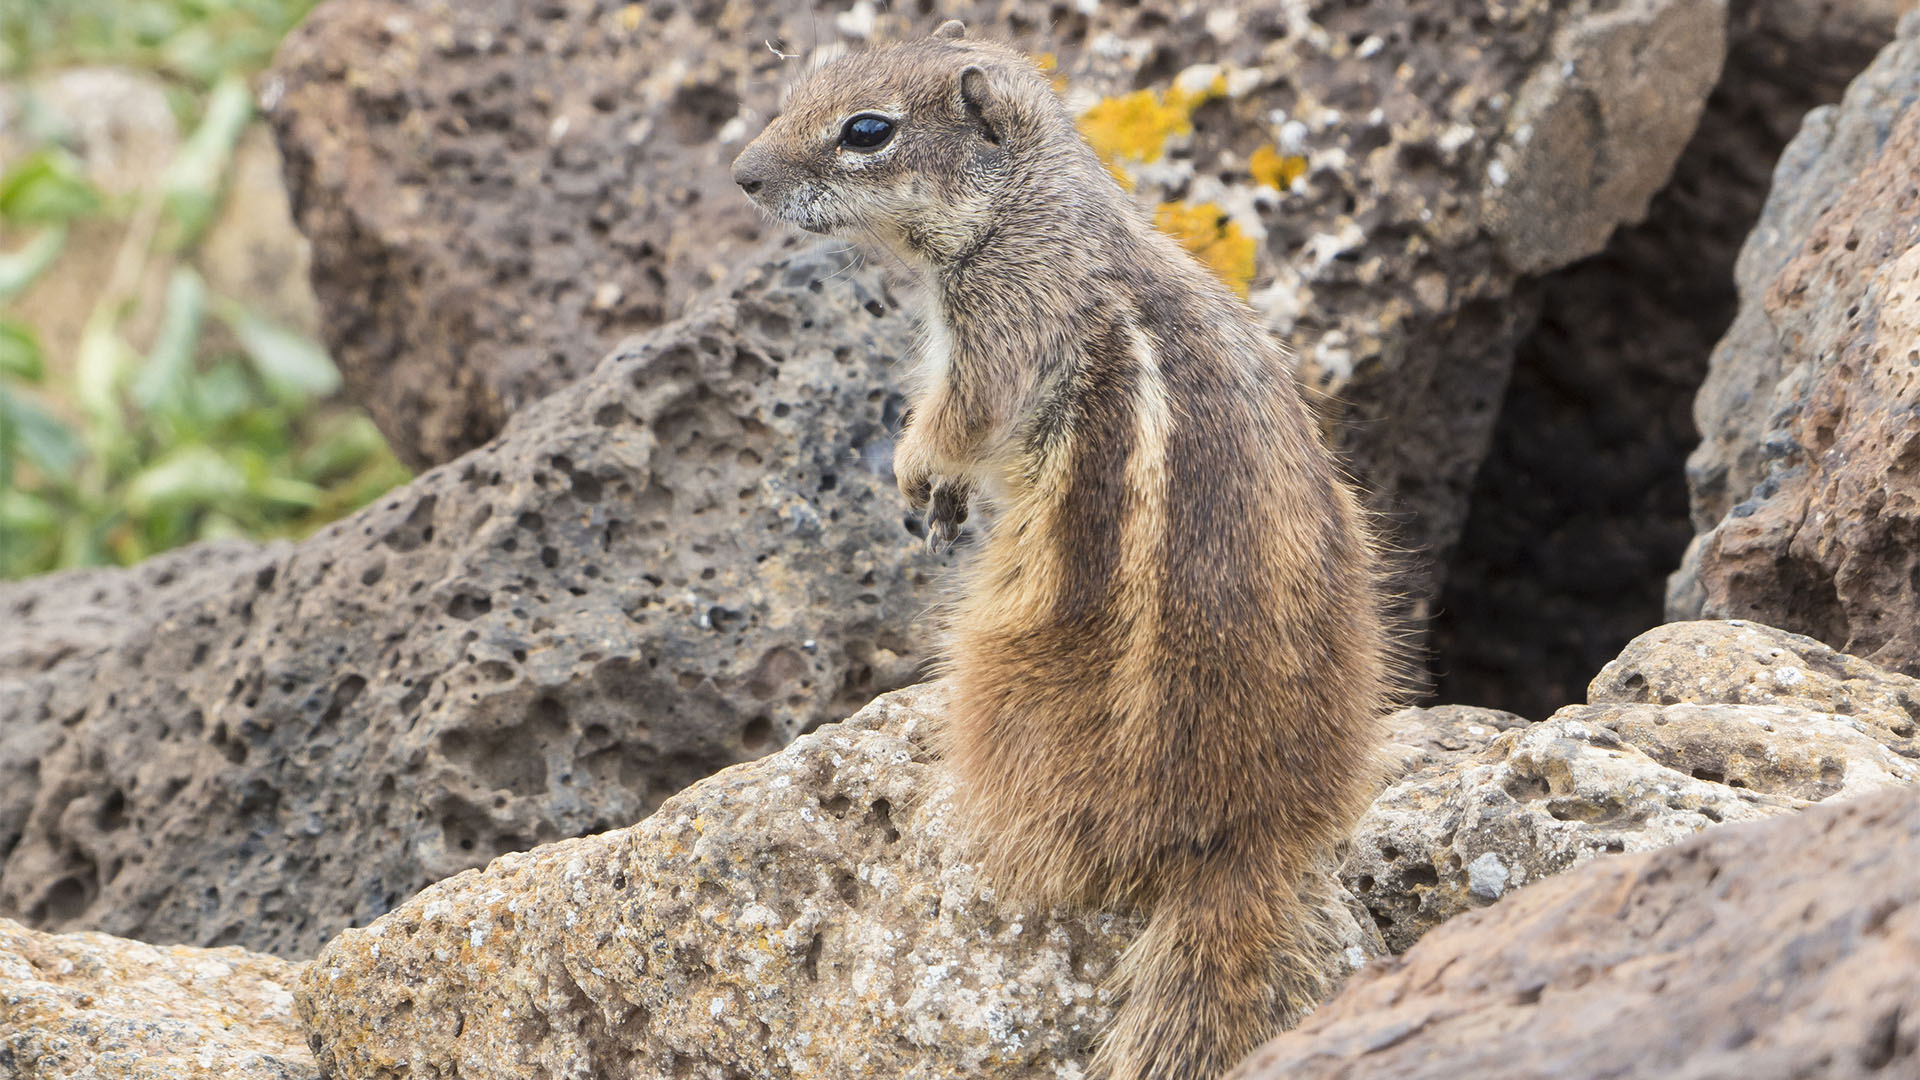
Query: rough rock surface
[(1579, 512), (1739, 723), (492, 193), (51, 618), (1806, 486), (680, 562), (53, 627), (809, 914), (1418, 739), (1787, 948), (1746, 663), (93, 1007)]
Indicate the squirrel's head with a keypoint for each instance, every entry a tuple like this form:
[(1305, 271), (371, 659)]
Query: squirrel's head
[(907, 145)]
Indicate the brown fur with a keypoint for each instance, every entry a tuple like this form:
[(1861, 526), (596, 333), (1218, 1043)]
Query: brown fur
[(1168, 661)]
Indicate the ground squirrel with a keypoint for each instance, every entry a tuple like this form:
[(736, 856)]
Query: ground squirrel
[(1168, 659)]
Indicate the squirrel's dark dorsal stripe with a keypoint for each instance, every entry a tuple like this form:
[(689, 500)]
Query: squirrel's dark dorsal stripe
[(1092, 508)]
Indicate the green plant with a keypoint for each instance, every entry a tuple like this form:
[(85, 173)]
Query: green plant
[(225, 425), (198, 42)]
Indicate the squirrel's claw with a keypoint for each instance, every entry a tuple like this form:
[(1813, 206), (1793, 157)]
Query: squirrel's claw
[(948, 504)]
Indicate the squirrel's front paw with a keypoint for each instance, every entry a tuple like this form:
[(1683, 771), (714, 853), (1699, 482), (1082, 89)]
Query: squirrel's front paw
[(912, 469), (949, 503)]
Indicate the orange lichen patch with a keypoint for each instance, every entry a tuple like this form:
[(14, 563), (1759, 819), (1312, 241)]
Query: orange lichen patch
[(1205, 230), (631, 16), (1275, 170)]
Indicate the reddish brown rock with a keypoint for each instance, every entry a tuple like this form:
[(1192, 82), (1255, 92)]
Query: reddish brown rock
[(1785, 948), (1807, 486), (497, 194), (1579, 512)]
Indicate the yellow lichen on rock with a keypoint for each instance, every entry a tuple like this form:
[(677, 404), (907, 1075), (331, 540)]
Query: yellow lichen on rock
[(1207, 231), (1276, 170), (1190, 98), (1135, 126), (1050, 64)]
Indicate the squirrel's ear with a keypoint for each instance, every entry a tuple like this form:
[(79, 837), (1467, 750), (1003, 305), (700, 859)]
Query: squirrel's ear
[(982, 101), (951, 30)]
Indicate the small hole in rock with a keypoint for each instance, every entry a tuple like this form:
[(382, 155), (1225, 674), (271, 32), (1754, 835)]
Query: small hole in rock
[(757, 734)]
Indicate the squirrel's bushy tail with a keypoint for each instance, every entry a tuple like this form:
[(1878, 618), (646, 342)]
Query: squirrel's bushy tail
[(1232, 955)]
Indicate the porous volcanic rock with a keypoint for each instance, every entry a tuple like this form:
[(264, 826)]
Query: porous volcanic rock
[(492, 191), (1784, 948), (808, 914), (1747, 663), (1761, 731), (51, 618), (1806, 486), (53, 630), (680, 562), (94, 1007), (1418, 739), (1579, 512), (1834, 146)]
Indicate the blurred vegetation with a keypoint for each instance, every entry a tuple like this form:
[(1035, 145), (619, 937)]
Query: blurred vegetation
[(226, 425)]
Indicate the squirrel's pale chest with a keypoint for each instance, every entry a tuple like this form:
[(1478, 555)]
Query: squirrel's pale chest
[(936, 346)]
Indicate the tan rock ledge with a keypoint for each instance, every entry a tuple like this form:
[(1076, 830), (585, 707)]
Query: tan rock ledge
[(96, 1007), (807, 914), (1694, 725)]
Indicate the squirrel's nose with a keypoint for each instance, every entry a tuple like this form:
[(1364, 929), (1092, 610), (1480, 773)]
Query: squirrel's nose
[(746, 172)]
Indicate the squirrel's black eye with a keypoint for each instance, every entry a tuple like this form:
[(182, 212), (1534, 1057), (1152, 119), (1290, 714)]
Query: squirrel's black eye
[(866, 132)]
